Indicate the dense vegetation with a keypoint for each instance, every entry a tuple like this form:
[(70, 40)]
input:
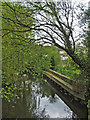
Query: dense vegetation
[(21, 55)]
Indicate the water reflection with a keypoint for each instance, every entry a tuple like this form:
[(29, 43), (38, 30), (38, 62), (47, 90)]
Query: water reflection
[(56, 109), (39, 102), (78, 109)]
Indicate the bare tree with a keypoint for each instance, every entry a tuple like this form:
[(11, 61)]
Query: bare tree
[(55, 24)]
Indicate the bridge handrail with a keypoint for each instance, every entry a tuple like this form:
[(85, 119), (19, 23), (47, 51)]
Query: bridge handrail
[(77, 86), (65, 78)]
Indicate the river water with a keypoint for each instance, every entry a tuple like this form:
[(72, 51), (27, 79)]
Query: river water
[(43, 100)]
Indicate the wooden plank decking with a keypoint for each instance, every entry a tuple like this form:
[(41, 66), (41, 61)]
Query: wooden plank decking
[(76, 89)]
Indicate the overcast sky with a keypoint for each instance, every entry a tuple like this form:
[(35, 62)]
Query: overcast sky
[(82, 1)]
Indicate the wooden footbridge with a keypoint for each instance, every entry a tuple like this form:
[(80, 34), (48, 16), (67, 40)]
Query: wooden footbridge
[(77, 89), (75, 106)]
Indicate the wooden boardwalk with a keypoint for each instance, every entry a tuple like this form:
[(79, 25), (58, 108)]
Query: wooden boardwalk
[(78, 90)]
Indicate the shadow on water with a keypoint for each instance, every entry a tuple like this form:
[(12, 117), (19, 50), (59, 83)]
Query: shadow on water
[(77, 106), (43, 100)]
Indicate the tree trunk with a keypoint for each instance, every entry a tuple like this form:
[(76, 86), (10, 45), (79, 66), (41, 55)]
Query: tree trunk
[(74, 57)]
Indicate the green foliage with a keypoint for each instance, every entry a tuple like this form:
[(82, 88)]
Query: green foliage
[(51, 53), (86, 41), (88, 105), (82, 52), (20, 55), (69, 68), (52, 62), (65, 67)]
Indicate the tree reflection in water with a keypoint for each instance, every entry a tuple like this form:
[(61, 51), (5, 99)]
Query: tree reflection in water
[(26, 106), (40, 101)]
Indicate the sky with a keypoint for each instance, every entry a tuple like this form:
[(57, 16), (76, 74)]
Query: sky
[(82, 1)]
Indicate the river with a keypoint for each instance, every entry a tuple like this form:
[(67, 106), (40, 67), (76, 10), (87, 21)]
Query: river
[(43, 100)]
